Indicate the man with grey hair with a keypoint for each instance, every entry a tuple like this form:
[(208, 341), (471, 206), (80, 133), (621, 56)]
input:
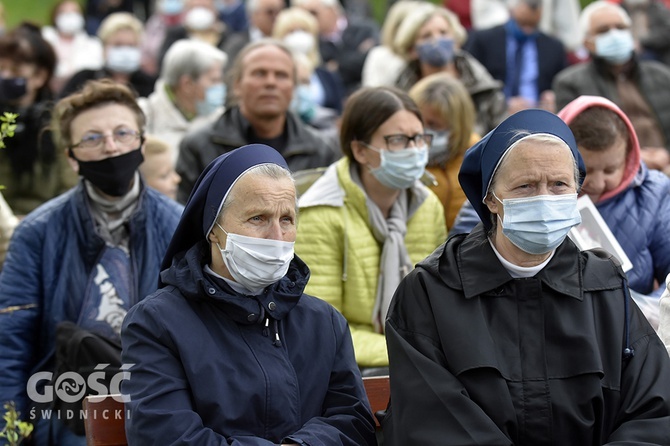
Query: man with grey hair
[(190, 92), (343, 42), (638, 87), (262, 81)]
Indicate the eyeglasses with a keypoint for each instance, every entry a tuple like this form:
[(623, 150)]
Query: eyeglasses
[(94, 140), (398, 142)]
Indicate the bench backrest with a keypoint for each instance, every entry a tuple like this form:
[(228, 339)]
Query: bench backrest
[(105, 421)]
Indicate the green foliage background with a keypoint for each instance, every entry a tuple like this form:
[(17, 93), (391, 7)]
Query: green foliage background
[(39, 10)]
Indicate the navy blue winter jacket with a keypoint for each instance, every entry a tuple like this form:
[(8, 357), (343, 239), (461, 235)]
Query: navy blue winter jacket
[(214, 367)]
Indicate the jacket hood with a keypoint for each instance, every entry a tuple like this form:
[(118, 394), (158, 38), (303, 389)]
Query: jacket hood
[(187, 275), (574, 108)]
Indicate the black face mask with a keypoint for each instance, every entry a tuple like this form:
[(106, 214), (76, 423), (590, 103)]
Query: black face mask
[(112, 175), (12, 88)]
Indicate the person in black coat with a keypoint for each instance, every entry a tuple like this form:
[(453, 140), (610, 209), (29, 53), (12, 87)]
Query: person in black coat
[(521, 56), (510, 335)]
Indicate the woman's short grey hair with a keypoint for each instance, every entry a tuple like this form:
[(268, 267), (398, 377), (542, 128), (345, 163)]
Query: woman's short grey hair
[(190, 57), (268, 170), (592, 8), (409, 28), (538, 138)]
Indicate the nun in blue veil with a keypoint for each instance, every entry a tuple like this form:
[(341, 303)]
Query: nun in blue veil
[(509, 335), (230, 350)]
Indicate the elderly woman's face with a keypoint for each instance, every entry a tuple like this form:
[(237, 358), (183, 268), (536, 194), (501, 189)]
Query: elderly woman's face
[(533, 168), (104, 132), (261, 207), (604, 169)]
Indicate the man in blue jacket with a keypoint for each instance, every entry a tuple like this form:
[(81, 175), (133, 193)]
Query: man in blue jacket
[(229, 350), (86, 256)]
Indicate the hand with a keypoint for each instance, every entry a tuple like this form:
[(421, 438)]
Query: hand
[(656, 158), (518, 103), (548, 101), (365, 45)]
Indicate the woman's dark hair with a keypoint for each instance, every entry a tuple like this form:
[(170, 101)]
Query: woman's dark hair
[(367, 109), (597, 128), (25, 44)]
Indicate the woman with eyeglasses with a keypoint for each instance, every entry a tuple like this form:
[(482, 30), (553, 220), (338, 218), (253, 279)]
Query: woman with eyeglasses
[(368, 219), (84, 257)]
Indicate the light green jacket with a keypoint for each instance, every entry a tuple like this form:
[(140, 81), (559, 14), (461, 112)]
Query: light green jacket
[(336, 241)]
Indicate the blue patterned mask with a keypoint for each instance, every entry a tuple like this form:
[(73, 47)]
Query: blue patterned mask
[(537, 225), (436, 53)]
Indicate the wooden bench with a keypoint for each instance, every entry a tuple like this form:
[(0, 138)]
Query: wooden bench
[(104, 426)]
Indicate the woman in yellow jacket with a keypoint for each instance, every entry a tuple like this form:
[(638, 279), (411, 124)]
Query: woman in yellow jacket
[(449, 114), (368, 219)]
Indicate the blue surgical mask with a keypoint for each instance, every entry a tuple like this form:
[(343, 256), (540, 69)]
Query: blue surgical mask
[(215, 97), (123, 59), (440, 145), (537, 225), (172, 7), (436, 53), (615, 46), (303, 104), (400, 169)]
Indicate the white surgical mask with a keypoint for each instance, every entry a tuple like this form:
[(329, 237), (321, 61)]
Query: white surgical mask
[(254, 262), (537, 225), (70, 22), (123, 59), (199, 19), (299, 41), (615, 46)]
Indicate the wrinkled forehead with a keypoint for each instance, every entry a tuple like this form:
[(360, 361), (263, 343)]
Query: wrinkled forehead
[(537, 143)]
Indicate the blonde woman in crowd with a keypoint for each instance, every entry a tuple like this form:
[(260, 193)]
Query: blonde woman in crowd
[(383, 64), (430, 40), (449, 114), (121, 35), (299, 30)]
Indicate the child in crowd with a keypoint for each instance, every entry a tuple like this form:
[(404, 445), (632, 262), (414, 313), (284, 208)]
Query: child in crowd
[(157, 169)]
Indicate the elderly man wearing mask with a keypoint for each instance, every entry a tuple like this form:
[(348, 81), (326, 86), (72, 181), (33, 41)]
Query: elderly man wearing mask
[(190, 92), (638, 87), (230, 350), (509, 334)]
